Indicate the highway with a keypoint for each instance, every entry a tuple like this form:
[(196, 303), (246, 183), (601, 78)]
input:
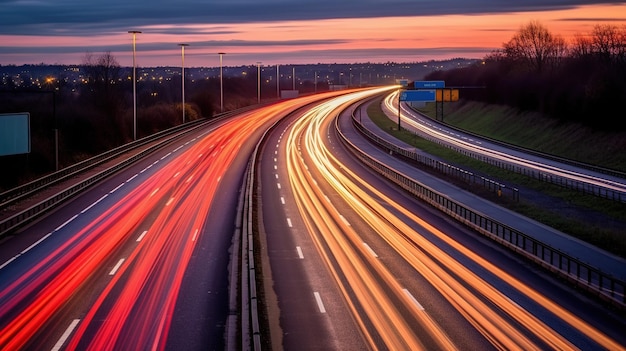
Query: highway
[(141, 260), (408, 278), (484, 148), (349, 261)]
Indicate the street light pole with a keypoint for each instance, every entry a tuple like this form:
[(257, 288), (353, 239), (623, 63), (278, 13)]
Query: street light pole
[(182, 53), (258, 86), (278, 81), (134, 33), (221, 83)]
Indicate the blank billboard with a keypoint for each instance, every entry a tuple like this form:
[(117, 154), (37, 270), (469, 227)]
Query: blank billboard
[(14, 133)]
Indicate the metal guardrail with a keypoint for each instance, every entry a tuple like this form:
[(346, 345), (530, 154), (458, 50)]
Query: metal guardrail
[(13, 195), (582, 187), (581, 274), (442, 167), (26, 216)]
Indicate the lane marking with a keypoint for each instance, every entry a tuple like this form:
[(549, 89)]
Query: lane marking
[(299, 249), (289, 223), (65, 223), (65, 335), (282, 200), (219, 179), (154, 192), (131, 178), (93, 204), (117, 266), (141, 236), (195, 235), (408, 293), (10, 260), (275, 167), (145, 169), (169, 202), (278, 185), (275, 159), (178, 148), (114, 190), (276, 175), (189, 179), (34, 244), (177, 174), (320, 304), (370, 250)]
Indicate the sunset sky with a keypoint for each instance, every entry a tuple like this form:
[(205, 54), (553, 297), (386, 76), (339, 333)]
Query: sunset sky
[(280, 31)]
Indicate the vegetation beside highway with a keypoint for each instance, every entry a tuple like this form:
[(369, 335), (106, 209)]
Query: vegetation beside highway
[(549, 204), (533, 131)]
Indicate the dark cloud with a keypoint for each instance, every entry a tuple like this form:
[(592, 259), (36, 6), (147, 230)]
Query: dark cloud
[(55, 17)]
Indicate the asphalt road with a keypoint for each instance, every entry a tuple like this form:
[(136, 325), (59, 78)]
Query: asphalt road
[(407, 275)]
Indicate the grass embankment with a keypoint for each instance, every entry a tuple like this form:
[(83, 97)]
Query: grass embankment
[(497, 123)]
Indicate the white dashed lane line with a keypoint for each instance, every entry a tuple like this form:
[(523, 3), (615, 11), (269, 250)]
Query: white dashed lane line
[(65, 335), (320, 304), (117, 266), (299, 250)]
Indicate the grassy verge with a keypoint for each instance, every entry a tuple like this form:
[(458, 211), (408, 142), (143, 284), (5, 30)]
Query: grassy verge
[(532, 131), (609, 239)]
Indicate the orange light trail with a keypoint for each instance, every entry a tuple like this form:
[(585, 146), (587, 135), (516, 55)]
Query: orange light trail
[(462, 288)]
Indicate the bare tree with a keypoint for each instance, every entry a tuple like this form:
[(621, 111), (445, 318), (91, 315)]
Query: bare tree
[(103, 75), (537, 48), (582, 46), (609, 42)]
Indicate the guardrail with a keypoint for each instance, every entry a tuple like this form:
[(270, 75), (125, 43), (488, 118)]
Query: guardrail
[(442, 167), (26, 216), (580, 186), (243, 261), (13, 222), (581, 274), (11, 196)]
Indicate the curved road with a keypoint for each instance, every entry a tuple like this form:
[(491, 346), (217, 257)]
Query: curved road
[(415, 122), (408, 278), (140, 261)]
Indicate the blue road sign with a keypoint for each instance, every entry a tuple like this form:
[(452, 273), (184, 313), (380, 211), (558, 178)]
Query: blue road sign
[(417, 95), (429, 84)]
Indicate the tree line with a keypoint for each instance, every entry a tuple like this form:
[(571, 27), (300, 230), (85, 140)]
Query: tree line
[(583, 80)]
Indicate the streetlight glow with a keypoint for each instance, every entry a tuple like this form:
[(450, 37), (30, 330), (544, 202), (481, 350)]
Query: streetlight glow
[(182, 52), (134, 33)]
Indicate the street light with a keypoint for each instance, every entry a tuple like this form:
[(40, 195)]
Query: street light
[(134, 33), (258, 86), (278, 80), (221, 82), (182, 52)]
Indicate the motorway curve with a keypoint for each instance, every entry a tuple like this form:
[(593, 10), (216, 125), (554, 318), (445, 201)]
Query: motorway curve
[(350, 221)]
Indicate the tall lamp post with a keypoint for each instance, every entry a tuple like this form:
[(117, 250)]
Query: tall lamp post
[(278, 81), (182, 53), (221, 82), (134, 33), (258, 86)]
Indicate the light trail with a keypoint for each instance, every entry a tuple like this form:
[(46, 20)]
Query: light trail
[(135, 308), (501, 321), (391, 103)]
